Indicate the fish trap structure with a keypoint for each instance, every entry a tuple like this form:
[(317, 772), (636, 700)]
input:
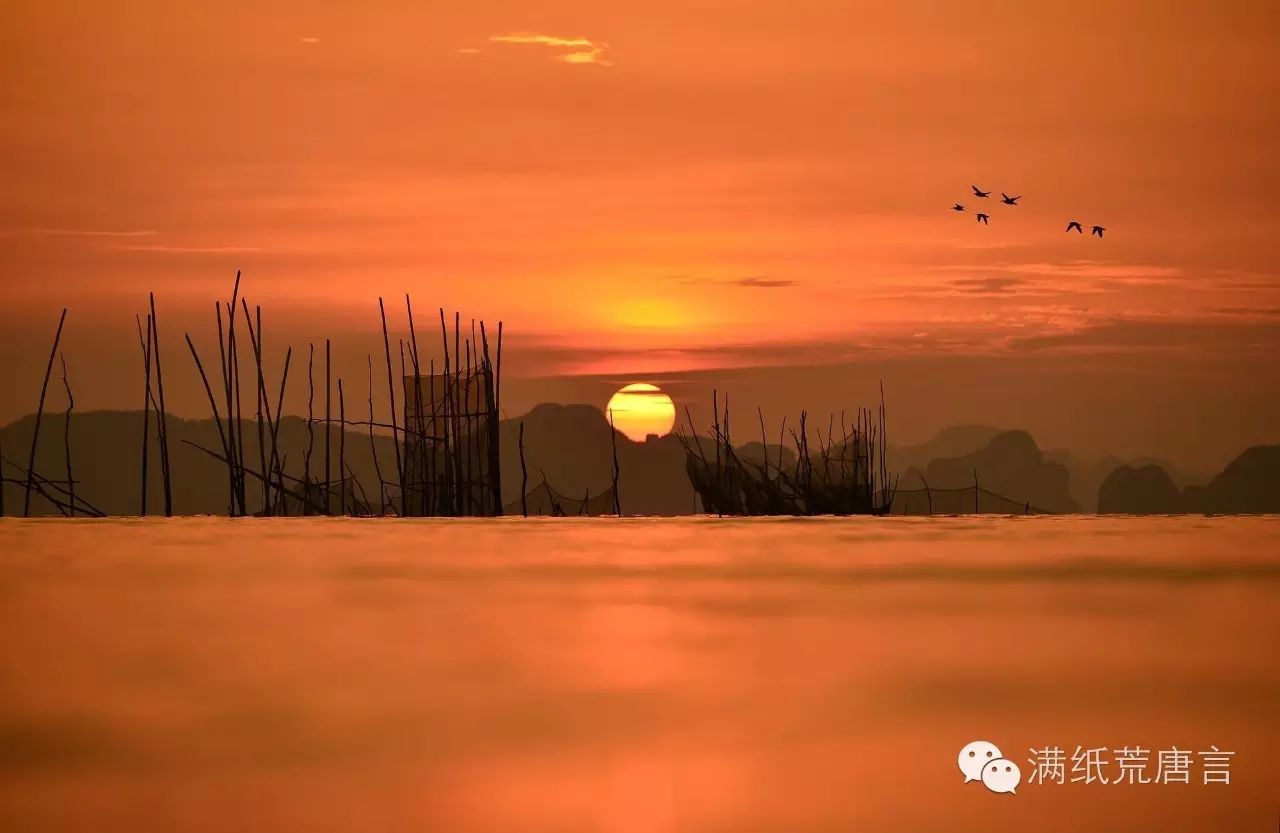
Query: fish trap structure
[(451, 462), (845, 475), (545, 500)]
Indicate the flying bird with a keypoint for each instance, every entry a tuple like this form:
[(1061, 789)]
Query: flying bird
[(957, 207), (982, 218), (1008, 200), (1098, 230), (978, 192), (1074, 224)]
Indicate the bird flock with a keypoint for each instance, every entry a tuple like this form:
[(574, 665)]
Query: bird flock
[(985, 219)]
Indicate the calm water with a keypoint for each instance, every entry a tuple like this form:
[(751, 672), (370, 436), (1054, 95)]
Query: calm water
[(604, 675)]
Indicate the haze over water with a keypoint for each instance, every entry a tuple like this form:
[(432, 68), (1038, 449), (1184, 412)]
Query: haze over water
[(629, 675)]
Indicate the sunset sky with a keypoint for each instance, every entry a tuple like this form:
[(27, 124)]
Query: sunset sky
[(750, 196)]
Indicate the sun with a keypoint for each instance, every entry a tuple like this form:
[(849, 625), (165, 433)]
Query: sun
[(641, 409)]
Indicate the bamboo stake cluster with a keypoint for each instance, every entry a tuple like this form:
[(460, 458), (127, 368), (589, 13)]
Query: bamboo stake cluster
[(846, 475), (451, 465)]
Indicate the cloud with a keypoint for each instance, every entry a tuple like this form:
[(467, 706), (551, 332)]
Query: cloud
[(592, 57), (309, 39), (754, 281), (1250, 312), (585, 51), (190, 250), (764, 281), (468, 50), (991, 286), (542, 40), (1168, 334), (68, 232)]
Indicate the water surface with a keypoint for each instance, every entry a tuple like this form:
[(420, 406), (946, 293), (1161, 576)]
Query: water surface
[(628, 675)]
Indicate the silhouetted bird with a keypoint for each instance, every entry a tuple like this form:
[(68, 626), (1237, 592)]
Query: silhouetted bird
[(957, 207), (978, 192), (982, 218), (1098, 230), (1008, 200), (1075, 225)]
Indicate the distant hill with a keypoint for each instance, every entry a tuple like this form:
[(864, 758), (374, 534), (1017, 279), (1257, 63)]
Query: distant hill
[(1140, 490), (1087, 475), (952, 441), (1249, 484), (1010, 465)]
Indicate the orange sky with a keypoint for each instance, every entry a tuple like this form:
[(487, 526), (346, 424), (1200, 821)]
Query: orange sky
[(697, 193)]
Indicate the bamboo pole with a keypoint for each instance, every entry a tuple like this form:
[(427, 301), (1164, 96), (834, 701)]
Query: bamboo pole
[(342, 450), (225, 364), (328, 442), (162, 420), (146, 406), (433, 502), (239, 398), (446, 423), (408, 486), (213, 404), (419, 443), (524, 476), (613, 437), (391, 393), (35, 431), (311, 422), (373, 447), (493, 425), (255, 341), (275, 424), (66, 434), (301, 498)]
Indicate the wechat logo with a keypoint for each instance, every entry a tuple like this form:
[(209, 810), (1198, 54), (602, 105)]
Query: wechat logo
[(982, 761)]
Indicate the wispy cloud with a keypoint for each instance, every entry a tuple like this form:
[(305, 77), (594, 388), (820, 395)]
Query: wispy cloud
[(594, 56), (764, 282), (752, 281), (71, 232), (542, 40), (991, 286), (309, 39), (585, 51), (190, 250)]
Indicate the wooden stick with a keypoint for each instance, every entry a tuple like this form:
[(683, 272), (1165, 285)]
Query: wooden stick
[(524, 476), (311, 420), (85, 507), (225, 363), (328, 442), (408, 488), (295, 495), (279, 415), (492, 426), (419, 456), (391, 393), (613, 437), (373, 447), (447, 495), (216, 418), (162, 420), (260, 393), (342, 450), (35, 431), (66, 433), (146, 406)]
